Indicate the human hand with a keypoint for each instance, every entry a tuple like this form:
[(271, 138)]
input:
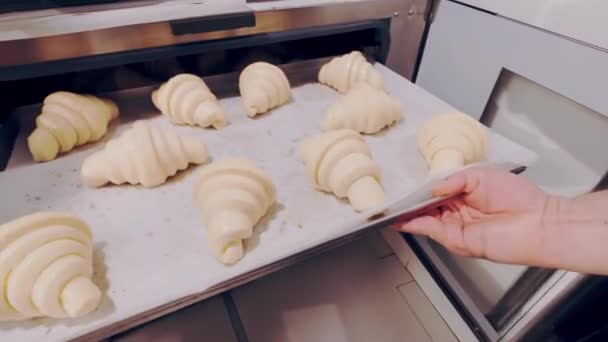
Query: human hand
[(498, 216)]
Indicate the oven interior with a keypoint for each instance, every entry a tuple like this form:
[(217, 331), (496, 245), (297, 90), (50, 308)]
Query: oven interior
[(215, 60)]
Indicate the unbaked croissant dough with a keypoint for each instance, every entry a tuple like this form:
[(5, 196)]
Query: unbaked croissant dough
[(364, 109), (340, 162), (186, 100), (450, 141), (263, 86), (342, 72), (46, 264), (232, 195), (144, 155), (68, 120)]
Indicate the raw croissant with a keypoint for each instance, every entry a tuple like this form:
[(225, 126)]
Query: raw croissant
[(232, 195), (340, 162), (145, 155), (364, 109), (450, 141), (342, 72), (263, 86), (68, 120), (46, 264), (186, 100)]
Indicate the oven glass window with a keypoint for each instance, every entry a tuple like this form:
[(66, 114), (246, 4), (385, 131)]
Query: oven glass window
[(551, 125)]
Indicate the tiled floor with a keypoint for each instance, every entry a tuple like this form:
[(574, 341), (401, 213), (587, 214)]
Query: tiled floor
[(357, 292)]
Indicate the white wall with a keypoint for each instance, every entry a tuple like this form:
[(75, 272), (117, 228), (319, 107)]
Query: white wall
[(584, 20), (467, 49)]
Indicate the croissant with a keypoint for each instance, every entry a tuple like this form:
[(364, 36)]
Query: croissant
[(232, 195), (342, 72), (364, 109), (340, 162), (145, 155), (68, 120), (46, 264), (185, 99), (451, 141), (263, 86)]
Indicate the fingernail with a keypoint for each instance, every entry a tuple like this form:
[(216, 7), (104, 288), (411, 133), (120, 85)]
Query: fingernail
[(439, 193), (406, 228)]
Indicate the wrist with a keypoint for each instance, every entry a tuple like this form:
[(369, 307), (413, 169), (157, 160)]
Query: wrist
[(556, 211), (572, 234), (550, 233), (567, 223), (564, 211)]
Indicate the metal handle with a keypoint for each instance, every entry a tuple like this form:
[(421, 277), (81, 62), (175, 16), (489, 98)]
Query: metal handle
[(221, 22)]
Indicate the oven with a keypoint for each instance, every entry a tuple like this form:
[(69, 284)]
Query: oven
[(407, 287)]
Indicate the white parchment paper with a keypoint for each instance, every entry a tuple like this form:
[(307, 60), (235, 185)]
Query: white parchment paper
[(150, 244)]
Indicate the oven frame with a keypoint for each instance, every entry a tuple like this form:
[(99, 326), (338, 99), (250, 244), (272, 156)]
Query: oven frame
[(408, 22)]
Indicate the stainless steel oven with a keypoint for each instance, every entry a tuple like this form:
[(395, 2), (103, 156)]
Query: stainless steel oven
[(493, 68)]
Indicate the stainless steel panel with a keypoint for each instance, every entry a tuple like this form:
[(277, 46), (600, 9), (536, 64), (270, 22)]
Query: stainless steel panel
[(407, 17)]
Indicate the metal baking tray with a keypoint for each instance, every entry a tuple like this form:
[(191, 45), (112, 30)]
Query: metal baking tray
[(150, 249)]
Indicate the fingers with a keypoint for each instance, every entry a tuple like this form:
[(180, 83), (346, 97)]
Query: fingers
[(454, 233), (444, 227), (401, 220), (466, 212), (424, 225), (491, 190), (466, 181)]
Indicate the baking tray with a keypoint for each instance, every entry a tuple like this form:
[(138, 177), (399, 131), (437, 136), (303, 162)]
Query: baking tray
[(150, 245)]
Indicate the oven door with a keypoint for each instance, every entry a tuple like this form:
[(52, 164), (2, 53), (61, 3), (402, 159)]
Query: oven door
[(9, 6), (543, 90)]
